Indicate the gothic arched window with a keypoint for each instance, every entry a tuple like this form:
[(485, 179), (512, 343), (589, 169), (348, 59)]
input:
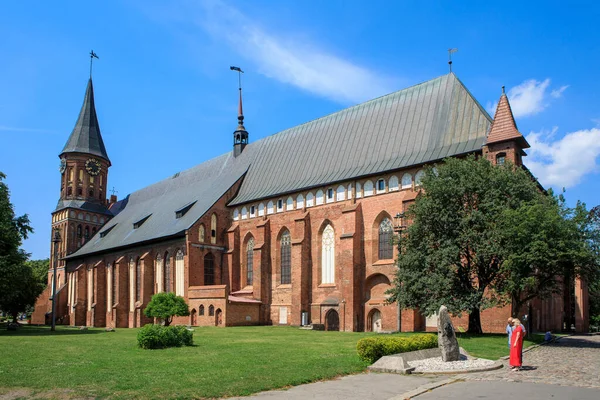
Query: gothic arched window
[(201, 233), (213, 228), (131, 284), (158, 267), (201, 312), (113, 276), (328, 255), (386, 233), (167, 274), (209, 269), (406, 181), (250, 261), (286, 258), (211, 310), (138, 280), (179, 273)]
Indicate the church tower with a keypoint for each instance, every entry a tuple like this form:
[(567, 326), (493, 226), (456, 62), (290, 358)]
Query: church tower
[(82, 208), (504, 141)]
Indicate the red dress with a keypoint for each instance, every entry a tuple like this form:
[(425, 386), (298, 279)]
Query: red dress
[(516, 359)]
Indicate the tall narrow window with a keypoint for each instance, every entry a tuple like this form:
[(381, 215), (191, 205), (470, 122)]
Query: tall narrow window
[(249, 261), (386, 233), (213, 228), (211, 310), (158, 267), (209, 269), (131, 284), (201, 312), (179, 280), (286, 258), (327, 255), (109, 292), (167, 274), (114, 284), (201, 233), (90, 299), (138, 280)]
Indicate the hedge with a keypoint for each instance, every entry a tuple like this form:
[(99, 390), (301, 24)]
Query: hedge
[(372, 349), (159, 337)]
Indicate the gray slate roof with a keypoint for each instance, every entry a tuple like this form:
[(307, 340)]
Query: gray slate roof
[(203, 184), (82, 205), (426, 122), (86, 137)]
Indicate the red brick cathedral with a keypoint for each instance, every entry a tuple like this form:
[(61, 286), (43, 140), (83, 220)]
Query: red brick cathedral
[(293, 229)]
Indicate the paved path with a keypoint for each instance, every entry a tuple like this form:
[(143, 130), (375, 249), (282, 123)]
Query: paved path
[(570, 361), (353, 387)]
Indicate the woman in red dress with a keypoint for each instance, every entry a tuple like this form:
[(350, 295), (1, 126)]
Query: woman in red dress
[(516, 346)]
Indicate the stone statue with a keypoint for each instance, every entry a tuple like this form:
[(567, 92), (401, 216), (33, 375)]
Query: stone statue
[(446, 336)]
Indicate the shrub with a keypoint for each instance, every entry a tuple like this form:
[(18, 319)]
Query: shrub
[(372, 349), (160, 337)]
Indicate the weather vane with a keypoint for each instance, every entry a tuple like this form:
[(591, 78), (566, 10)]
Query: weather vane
[(240, 111), (240, 72), (92, 56), (450, 51)]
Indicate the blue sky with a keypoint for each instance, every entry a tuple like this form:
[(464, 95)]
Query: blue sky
[(167, 101)]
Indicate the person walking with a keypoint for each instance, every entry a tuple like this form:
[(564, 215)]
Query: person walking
[(509, 329), (516, 346)]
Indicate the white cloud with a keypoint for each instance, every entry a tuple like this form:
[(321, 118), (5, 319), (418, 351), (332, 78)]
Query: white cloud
[(292, 60), (530, 97), (564, 162), (557, 93)]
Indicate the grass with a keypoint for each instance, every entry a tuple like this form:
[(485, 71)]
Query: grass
[(492, 345), (223, 362)]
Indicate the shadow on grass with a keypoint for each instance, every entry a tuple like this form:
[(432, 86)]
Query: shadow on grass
[(31, 330)]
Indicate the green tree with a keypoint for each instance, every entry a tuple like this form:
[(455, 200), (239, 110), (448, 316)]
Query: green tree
[(12, 259), (40, 269), (165, 306), (593, 234), (543, 240), (460, 250)]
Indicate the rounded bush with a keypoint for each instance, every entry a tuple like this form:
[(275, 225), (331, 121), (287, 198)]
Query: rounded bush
[(160, 337), (372, 349)]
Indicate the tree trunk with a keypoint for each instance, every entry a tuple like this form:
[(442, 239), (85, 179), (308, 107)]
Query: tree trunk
[(15, 316), (475, 321), (168, 321)]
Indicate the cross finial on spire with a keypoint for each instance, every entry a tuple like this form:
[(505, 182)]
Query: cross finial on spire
[(113, 191), (92, 56), (450, 51), (240, 108)]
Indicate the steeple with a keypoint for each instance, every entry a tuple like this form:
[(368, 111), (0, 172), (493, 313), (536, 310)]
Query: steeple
[(504, 127), (240, 135), (86, 137)]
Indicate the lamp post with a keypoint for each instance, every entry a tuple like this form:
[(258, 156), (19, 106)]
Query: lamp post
[(55, 241), (398, 227)]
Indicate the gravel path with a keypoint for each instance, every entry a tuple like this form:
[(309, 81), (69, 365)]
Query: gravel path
[(436, 364), (570, 361)]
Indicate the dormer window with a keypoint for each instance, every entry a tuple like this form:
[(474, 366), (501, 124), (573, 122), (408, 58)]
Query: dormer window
[(181, 212), (140, 222), (500, 158)]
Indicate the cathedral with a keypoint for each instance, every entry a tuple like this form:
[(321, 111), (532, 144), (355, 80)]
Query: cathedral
[(293, 229)]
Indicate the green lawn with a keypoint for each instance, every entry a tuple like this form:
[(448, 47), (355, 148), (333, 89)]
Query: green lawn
[(223, 362)]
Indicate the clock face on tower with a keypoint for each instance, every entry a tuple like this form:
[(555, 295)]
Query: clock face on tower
[(63, 166), (93, 166)]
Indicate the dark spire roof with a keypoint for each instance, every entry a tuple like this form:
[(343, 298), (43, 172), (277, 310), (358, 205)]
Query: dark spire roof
[(504, 127), (86, 137)]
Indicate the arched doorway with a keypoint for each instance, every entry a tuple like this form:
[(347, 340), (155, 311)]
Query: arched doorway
[(218, 317), (374, 320), (193, 319), (332, 321)]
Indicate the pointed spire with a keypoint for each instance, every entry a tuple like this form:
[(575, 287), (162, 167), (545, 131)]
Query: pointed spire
[(504, 126), (86, 137), (240, 113)]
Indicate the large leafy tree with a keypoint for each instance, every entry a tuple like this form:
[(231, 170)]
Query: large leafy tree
[(13, 273), (165, 306), (478, 233)]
